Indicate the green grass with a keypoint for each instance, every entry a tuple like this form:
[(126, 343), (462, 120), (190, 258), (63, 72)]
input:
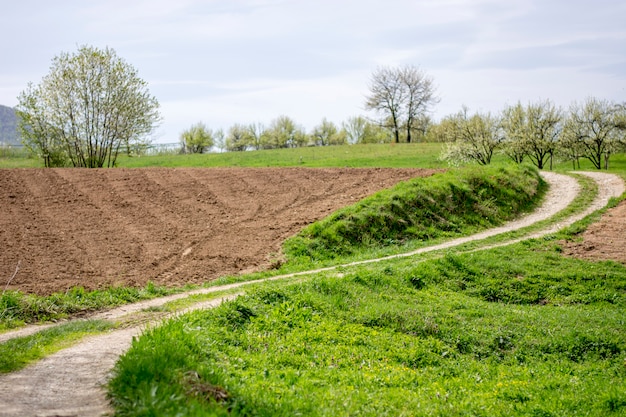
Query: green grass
[(16, 353), (385, 155), (517, 330), (514, 330), (398, 338), (17, 158), (451, 204), (423, 155), (17, 308)]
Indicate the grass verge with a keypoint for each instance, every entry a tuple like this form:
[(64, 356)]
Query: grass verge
[(17, 308), (16, 353)]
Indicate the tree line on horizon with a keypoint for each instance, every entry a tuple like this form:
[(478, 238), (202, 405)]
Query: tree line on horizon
[(93, 106), (540, 131)]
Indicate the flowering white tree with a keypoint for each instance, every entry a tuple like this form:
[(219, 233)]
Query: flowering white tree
[(90, 106)]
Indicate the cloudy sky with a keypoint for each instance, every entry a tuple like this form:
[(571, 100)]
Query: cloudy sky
[(244, 61)]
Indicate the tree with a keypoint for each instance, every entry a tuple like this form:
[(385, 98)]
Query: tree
[(360, 130), (90, 105), (220, 139), (283, 133), (355, 129), (197, 139), (475, 138), (256, 133), (444, 131), (532, 131), (238, 138), (326, 133), (595, 130), (402, 96)]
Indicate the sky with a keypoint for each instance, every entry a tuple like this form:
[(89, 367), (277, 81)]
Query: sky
[(250, 61)]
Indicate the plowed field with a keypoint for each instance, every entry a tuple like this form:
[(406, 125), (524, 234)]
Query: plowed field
[(172, 226)]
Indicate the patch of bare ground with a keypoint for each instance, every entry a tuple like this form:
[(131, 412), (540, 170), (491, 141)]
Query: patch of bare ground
[(172, 226), (603, 240)]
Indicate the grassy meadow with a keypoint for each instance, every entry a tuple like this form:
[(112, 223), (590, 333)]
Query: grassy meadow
[(515, 330)]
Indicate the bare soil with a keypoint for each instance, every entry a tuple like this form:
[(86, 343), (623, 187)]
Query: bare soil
[(603, 240), (172, 226)]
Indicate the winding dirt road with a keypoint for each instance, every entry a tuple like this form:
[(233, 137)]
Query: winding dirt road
[(70, 382)]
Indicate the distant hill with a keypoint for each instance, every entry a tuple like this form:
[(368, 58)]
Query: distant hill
[(8, 126)]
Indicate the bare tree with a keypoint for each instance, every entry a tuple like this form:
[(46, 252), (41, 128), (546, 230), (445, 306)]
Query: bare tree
[(402, 96), (420, 96)]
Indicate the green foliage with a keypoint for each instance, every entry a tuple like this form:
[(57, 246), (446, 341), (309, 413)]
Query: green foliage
[(90, 105), (359, 130), (444, 205), (532, 131), (396, 338), (16, 353), (17, 308), (326, 133), (507, 275), (594, 130), (470, 138), (197, 139), (283, 132), (239, 138)]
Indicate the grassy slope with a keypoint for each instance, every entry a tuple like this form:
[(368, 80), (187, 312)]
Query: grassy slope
[(457, 202)]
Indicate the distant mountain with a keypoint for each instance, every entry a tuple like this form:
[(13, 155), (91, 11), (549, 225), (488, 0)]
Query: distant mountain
[(8, 126)]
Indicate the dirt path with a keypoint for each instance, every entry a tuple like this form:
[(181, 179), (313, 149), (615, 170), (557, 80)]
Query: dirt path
[(69, 383)]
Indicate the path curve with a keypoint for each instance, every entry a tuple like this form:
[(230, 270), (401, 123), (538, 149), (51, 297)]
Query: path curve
[(71, 382)]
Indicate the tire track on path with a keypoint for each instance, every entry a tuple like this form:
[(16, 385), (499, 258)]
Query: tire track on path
[(71, 382)]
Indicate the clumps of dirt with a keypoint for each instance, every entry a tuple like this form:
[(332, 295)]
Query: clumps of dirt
[(98, 228), (603, 240)]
